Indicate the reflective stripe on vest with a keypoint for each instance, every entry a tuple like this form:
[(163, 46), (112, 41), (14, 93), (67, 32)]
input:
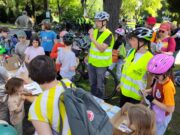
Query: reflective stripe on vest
[(97, 58), (132, 75)]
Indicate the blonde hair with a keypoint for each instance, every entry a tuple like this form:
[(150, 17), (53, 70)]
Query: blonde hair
[(140, 117)]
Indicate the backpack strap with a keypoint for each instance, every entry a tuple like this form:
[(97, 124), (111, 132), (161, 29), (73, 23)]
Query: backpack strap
[(64, 85)]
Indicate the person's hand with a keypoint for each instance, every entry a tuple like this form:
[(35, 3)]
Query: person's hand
[(150, 98), (91, 36), (118, 88)]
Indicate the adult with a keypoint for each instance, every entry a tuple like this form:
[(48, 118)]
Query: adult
[(150, 23), (165, 43), (25, 22), (100, 54), (44, 112)]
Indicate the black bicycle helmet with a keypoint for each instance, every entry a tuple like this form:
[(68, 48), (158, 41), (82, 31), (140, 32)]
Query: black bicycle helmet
[(68, 38), (142, 33)]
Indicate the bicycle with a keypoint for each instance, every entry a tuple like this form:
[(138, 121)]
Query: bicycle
[(111, 81)]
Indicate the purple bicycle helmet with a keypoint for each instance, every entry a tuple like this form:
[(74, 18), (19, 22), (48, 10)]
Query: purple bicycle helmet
[(160, 63)]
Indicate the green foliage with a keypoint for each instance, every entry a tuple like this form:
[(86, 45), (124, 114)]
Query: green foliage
[(138, 8)]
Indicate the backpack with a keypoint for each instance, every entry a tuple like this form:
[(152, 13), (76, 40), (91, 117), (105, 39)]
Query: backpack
[(85, 115)]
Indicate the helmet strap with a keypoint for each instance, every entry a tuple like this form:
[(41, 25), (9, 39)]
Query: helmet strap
[(139, 47)]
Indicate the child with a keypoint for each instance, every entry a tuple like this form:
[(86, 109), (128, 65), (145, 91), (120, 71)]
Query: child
[(119, 47), (162, 93), (21, 45), (47, 37), (33, 50), (135, 120), (14, 87), (6, 40), (67, 58), (134, 73)]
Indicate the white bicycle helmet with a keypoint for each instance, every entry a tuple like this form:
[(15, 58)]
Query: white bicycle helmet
[(102, 16), (143, 33), (120, 31)]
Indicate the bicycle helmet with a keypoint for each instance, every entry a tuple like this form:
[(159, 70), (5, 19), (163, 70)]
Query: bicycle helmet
[(21, 33), (120, 31), (7, 129), (2, 50), (160, 63), (68, 38), (102, 16), (143, 33)]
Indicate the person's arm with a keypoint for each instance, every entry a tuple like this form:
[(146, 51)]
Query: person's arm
[(100, 47), (42, 128), (171, 46), (73, 63), (17, 22), (26, 59), (54, 52), (19, 107), (169, 109)]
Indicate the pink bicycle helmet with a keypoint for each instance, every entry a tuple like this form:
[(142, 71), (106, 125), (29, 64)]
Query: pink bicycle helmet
[(120, 31), (160, 63)]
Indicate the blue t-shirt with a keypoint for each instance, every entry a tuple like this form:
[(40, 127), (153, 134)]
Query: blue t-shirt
[(47, 40)]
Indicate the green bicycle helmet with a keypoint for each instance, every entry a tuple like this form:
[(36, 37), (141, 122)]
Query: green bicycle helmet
[(6, 129), (2, 50), (68, 38)]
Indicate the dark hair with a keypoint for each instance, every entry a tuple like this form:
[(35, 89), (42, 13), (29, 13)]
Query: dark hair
[(42, 69), (36, 38), (4, 29), (47, 26), (13, 84), (146, 42)]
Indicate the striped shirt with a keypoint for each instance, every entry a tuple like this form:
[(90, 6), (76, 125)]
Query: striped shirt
[(45, 109)]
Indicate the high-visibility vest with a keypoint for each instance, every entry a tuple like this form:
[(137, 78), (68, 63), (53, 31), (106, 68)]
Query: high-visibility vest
[(132, 80), (97, 58)]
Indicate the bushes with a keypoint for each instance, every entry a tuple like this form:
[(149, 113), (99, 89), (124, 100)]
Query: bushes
[(3, 15)]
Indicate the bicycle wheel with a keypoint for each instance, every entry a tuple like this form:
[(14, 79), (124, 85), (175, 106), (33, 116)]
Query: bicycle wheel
[(111, 83), (78, 74)]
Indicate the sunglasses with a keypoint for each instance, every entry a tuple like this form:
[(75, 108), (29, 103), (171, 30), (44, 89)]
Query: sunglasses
[(161, 31)]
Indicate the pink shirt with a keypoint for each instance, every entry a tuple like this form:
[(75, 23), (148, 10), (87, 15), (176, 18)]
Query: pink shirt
[(168, 45), (31, 52)]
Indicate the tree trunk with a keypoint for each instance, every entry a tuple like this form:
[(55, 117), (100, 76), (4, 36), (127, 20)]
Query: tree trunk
[(33, 7), (113, 8), (46, 5)]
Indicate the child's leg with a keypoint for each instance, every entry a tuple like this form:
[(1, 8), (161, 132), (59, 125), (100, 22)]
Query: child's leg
[(162, 126)]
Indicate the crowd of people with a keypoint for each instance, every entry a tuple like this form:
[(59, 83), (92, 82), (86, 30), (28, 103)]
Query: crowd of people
[(145, 74)]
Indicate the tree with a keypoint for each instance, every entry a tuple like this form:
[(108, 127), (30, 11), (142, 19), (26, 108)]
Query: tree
[(139, 8), (174, 7), (113, 8)]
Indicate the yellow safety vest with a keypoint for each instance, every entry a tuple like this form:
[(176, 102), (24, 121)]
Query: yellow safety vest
[(132, 75), (97, 58)]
